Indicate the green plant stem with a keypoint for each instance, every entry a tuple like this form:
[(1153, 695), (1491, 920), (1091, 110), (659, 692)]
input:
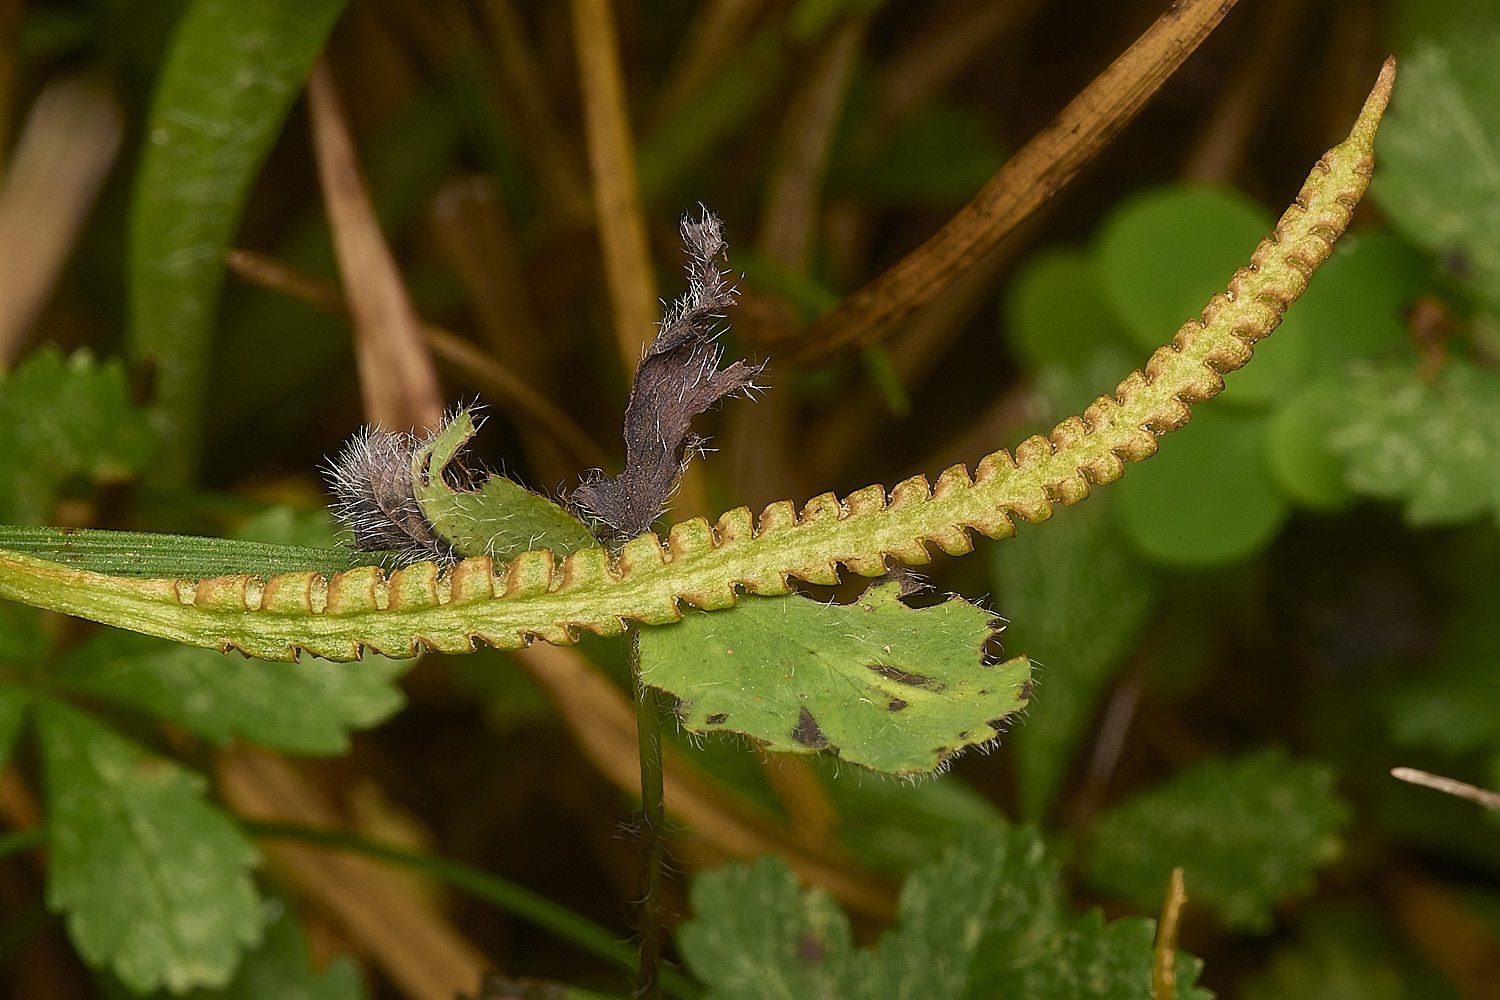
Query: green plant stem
[(508, 896), (653, 798), (22, 840)]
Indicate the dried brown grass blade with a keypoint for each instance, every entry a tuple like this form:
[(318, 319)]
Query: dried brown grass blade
[(603, 724), (63, 155), (1164, 960), (466, 359), (1041, 167), (617, 196), (396, 376), (1445, 932), (1460, 789), (375, 905)]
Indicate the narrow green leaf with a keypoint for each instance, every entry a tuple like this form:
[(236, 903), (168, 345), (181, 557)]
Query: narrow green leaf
[(502, 518), (64, 417), (229, 77), (1439, 180), (154, 881), (307, 707), (147, 555), (1078, 599), (876, 682), (1205, 499), (1247, 833), (1432, 444)]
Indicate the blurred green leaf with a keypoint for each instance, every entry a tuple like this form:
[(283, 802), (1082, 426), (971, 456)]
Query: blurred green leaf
[(891, 825), (1247, 833), (154, 881), (1432, 444), (983, 922), (1205, 499), (61, 418), (1345, 954), (1355, 305), (1055, 312), (279, 968), (942, 156), (1163, 253), (15, 701), (307, 707), (229, 77), (1297, 455), (1438, 179), (1077, 599), (878, 683)]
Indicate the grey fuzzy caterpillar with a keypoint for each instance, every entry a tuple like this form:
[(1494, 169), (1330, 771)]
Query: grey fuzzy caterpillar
[(678, 379)]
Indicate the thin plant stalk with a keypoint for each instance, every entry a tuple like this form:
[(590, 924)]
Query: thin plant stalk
[(653, 809)]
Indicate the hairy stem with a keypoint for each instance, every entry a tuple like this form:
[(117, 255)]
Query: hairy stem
[(648, 710)]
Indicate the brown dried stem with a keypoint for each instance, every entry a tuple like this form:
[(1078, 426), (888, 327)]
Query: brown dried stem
[(1046, 163)]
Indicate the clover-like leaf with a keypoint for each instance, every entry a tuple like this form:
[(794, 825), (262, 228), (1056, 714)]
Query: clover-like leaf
[(60, 418), (501, 518), (1433, 444), (879, 683), (307, 707), (1247, 833), (154, 881)]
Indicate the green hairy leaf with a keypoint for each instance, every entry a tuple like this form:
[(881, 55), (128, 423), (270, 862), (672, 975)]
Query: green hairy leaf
[(153, 881), (983, 922), (147, 555), (304, 708), (1439, 182), (60, 418), (501, 519), (875, 682), (1433, 444), (231, 74), (1247, 833)]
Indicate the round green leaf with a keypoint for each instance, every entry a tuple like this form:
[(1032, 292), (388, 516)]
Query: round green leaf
[(1297, 457), (1055, 312), (1355, 305), (1205, 499), (1162, 254)]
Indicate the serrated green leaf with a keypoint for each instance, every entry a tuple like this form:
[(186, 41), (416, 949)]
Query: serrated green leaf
[(1438, 179), (983, 922), (1435, 445), (229, 77), (1055, 313), (64, 417), (1163, 253), (1247, 833), (883, 685), (1078, 599), (279, 968), (307, 707), (502, 518), (153, 881), (1205, 499)]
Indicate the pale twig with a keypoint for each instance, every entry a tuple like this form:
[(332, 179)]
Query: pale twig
[(1164, 964), (1463, 790), (396, 377), (1046, 163), (64, 153), (449, 347), (617, 196)]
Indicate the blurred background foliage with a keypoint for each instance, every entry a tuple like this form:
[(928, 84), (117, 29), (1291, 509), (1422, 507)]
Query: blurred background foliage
[(1233, 645)]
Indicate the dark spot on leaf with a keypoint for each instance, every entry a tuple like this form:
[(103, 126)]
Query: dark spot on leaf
[(717, 718), (905, 677), (896, 705), (807, 732), (1025, 691), (810, 950)]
